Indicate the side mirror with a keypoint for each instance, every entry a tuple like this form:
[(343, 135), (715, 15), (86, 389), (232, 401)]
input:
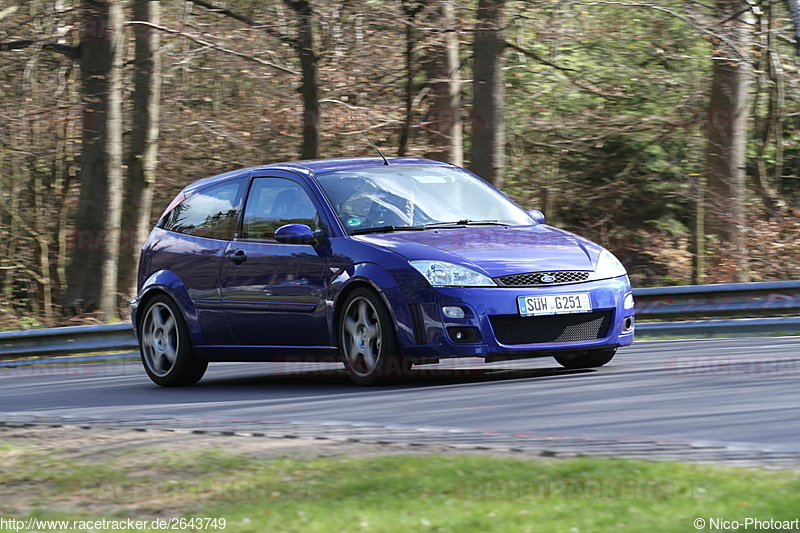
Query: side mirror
[(536, 215), (295, 234)]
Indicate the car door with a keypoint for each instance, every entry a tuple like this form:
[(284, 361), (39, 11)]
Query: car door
[(272, 293)]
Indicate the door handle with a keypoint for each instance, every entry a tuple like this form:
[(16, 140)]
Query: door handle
[(238, 257)]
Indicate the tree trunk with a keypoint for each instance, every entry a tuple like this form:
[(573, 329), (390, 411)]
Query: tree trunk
[(144, 143), (699, 274), (109, 301), (305, 46), (442, 66), (794, 9), (727, 141), (309, 63), (92, 275), (410, 11), (767, 181), (488, 123)]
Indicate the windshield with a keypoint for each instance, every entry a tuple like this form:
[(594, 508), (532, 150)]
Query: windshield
[(399, 197)]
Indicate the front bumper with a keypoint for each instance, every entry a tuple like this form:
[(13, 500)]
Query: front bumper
[(493, 328)]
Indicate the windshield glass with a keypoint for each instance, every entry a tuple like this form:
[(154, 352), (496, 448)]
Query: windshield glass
[(414, 196)]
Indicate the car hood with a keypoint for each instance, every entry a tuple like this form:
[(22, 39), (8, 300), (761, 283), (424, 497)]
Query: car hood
[(497, 250)]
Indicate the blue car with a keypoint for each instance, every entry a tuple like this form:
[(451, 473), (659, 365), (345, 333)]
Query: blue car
[(379, 264)]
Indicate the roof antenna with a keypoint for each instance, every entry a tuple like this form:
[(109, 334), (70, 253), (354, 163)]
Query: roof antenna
[(385, 161)]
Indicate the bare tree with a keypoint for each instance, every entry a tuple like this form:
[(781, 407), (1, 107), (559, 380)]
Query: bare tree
[(442, 66), (309, 64), (794, 10), (769, 120), (488, 123), (305, 44), (97, 223), (727, 137), (410, 10), (143, 144)]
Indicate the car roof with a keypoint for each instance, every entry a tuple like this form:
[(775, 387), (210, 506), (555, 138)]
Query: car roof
[(311, 167)]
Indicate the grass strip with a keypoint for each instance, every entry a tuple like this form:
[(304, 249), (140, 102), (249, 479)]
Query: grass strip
[(388, 493)]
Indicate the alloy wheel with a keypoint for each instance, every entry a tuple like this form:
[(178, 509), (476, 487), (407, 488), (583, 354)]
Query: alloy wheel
[(160, 339)]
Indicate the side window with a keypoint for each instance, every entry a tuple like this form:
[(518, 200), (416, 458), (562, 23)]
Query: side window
[(275, 202), (209, 213)]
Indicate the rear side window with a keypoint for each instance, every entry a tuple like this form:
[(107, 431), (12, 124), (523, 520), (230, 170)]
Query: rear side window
[(209, 213)]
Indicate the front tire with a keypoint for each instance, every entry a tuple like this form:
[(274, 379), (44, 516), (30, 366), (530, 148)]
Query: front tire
[(367, 339), (590, 359), (165, 346)]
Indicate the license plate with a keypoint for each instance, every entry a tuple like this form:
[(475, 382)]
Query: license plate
[(554, 304)]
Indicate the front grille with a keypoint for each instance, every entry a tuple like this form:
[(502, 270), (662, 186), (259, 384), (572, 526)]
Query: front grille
[(533, 279), (515, 329)]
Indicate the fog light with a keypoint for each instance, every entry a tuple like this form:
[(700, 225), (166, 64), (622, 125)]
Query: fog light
[(452, 311), (627, 324), (464, 334)]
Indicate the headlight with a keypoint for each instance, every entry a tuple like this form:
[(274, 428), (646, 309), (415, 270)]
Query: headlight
[(608, 266), (442, 274)]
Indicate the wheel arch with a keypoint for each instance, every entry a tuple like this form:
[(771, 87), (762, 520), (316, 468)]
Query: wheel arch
[(165, 282), (380, 281)]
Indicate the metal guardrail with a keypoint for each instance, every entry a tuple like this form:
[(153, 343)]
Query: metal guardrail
[(767, 298), (712, 302), (723, 300), (68, 340), (714, 328)]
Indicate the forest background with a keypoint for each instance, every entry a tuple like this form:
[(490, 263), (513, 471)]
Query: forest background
[(667, 131)]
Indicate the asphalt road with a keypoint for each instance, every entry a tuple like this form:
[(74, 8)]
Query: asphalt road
[(733, 391)]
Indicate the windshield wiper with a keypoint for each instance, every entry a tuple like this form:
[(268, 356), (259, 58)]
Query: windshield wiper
[(453, 224), (465, 222), (386, 229)]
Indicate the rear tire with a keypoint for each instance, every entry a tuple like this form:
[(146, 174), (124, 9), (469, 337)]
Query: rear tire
[(590, 359), (367, 339), (165, 346)]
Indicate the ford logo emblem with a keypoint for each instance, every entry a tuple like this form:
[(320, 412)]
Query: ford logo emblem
[(547, 278)]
